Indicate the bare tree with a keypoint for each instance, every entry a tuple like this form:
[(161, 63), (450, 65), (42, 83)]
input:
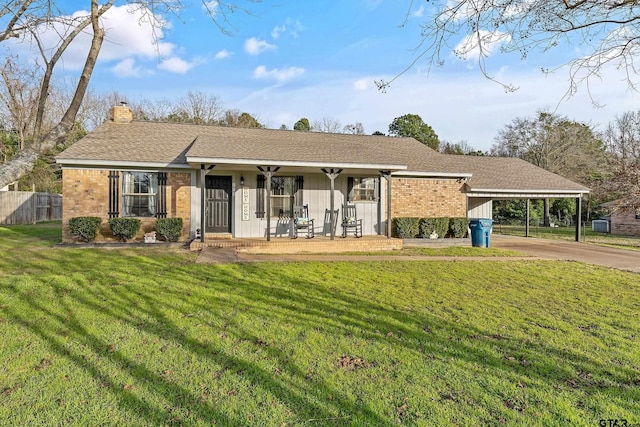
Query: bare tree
[(327, 124), (622, 138), (26, 19), (557, 144), (459, 148), (233, 118), (23, 162), (554, 143), (606, 31), (355, 129), (18, 95), (145, 109), (202, 108)]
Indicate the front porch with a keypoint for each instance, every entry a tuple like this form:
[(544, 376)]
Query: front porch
[(319, 244)]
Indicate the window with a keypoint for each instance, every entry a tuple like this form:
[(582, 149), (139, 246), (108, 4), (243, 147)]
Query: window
[(139, 191), (286, 192), (361, 189), (283, 190)]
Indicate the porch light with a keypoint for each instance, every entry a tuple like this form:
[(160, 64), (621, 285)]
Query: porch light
[(241, 181)]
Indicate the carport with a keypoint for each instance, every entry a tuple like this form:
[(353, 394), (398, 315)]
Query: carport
[(480, 205), (502, 178)]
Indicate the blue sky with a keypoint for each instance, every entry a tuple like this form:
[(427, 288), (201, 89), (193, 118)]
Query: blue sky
[(319, 59)]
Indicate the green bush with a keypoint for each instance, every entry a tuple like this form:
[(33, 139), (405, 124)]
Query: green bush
[(169, 228), (85, 228), (124, 228), (429, 225), (407, 228), (458, 227)]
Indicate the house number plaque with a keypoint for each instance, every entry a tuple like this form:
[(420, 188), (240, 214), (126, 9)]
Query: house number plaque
[(245, 204)]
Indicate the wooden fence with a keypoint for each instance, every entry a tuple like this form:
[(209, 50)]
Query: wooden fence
[(25, 207)]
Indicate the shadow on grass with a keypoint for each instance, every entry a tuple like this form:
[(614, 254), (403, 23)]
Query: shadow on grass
[(142, 310), (165, 296)]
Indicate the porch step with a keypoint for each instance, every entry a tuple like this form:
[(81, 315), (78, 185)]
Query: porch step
[(216, 236), (299, 246)]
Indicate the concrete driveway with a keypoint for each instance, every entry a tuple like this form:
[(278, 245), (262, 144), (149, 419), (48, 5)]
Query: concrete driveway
[(622, 259)]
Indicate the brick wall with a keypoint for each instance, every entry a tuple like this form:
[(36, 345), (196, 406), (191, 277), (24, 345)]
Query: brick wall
[(624, 222), (179, 199), (121, 114), (318, 245), (86, 193), (420, 197)]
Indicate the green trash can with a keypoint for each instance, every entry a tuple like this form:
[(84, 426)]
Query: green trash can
[(480, 232)]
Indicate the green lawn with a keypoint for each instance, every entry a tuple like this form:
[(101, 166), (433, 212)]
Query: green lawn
[(143, 337)]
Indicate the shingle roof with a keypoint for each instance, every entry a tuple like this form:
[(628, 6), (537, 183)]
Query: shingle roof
[(271, 145), (506, 173), (134, 142), (171, 143)]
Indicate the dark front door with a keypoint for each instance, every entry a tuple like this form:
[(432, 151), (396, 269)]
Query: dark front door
[(218, 206)]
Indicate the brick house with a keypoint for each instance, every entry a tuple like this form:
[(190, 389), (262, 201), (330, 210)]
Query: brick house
[(624, 217), (246, 182)]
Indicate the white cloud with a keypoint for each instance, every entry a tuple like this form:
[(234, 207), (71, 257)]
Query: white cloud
[(176, 65), (291, 27), (133, 37), (362, 84), (254, 46), (223, 54), (295, 27), (371, 5), (459, 106), (211, 7), (279, 75), (277, 30), (131, 33), (419, 13), (128, 68), (481, 44)]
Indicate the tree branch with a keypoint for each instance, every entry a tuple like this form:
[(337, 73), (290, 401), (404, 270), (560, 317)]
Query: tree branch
[(8, 32), (50, 64), (23, 162)]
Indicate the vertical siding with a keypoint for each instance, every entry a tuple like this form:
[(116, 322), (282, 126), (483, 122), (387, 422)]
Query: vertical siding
[(479, 207), (25, 207), (316, 194)]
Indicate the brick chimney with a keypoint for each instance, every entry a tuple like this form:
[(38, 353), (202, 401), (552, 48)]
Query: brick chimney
[(121, 113)]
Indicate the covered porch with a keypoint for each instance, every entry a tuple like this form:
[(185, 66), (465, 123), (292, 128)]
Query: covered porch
[(261, 202)]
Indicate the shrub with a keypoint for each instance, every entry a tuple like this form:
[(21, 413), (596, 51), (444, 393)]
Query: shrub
[(124, 228), (429, 225), (407, 228), (169, 228), (85, 228), (458, 226)]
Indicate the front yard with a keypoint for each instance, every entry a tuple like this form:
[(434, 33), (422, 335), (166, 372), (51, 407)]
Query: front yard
[(144, 336)]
